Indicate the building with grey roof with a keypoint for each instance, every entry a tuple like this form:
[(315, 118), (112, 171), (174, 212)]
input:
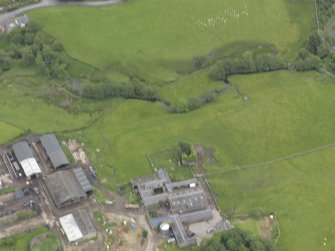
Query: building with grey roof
[(183, 239), (64, 188), (82, 178), (78, 226), (54, 151), (186, 199), (26, 158)]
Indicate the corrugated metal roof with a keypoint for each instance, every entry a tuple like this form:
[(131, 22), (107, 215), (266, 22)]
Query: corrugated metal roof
[(81, 177), (64, 187), (22, 151), (26, 158), (54, 151), (84, 222), (70, 228)]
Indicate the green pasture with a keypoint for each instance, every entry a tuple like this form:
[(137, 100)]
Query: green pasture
[(194, 85), (297, 191), (8, 132), (156, 40), (286, 113), (22, 106)]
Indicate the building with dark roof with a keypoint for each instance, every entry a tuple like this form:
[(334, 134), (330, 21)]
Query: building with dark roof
[(187, 200), (64, 188), (82, 178), (54, 151), (26, 158)]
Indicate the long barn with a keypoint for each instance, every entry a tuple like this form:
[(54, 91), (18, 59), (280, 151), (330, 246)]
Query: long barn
[(54, 151)]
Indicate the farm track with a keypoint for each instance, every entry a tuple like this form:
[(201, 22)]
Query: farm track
[(271, 162), (6, 17)]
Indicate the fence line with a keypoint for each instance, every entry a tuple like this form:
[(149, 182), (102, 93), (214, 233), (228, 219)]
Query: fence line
[(271, 162), (210, 190)]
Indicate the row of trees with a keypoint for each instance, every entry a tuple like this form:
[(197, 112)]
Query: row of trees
[(108, 89), (189, 104), (262, 63), (237, 240)]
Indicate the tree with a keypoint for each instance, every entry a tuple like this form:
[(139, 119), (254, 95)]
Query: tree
[(28, 58), (237, 240), (314, 41), (183, 148)]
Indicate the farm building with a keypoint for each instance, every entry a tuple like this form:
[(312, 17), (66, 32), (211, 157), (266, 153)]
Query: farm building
[(179, 232), (78, 226), (186, 199), (66, 187), (26, 159), (54, 151)]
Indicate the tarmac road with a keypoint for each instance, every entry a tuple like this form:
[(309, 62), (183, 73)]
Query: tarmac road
[(7, 17)]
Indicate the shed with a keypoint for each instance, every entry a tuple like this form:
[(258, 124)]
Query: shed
[(78, 226), (54, 151), (26, 158), (71, 228), (83, 181)]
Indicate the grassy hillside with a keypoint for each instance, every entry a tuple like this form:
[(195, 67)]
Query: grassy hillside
[(23, 105), (297, 191), (132, 38), (286, 113)]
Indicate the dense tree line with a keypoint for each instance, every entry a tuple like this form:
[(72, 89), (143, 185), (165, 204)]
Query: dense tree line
[(321, 41), (108, 89), (263, 63), (188, 104), (247, 64), (237, 240), (28, 48), (326, 9)]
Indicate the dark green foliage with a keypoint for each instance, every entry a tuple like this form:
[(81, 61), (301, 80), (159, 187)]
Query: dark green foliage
[(325, 10), (108, 89), (237, 240), (186, 105), (183, 148), (306, 61), (314, 41), (247, 64), (30, 49)]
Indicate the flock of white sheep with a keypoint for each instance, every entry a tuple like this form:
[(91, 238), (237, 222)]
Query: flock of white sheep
[(223, 17)]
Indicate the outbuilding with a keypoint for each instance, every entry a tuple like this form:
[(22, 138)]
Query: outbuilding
[(78, 226), (54, 151), (26, 158)]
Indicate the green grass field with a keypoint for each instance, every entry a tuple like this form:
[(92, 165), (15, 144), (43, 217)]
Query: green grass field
[(23, 107), (286, 113), (297, 191), (134, 40), (8, 132)]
